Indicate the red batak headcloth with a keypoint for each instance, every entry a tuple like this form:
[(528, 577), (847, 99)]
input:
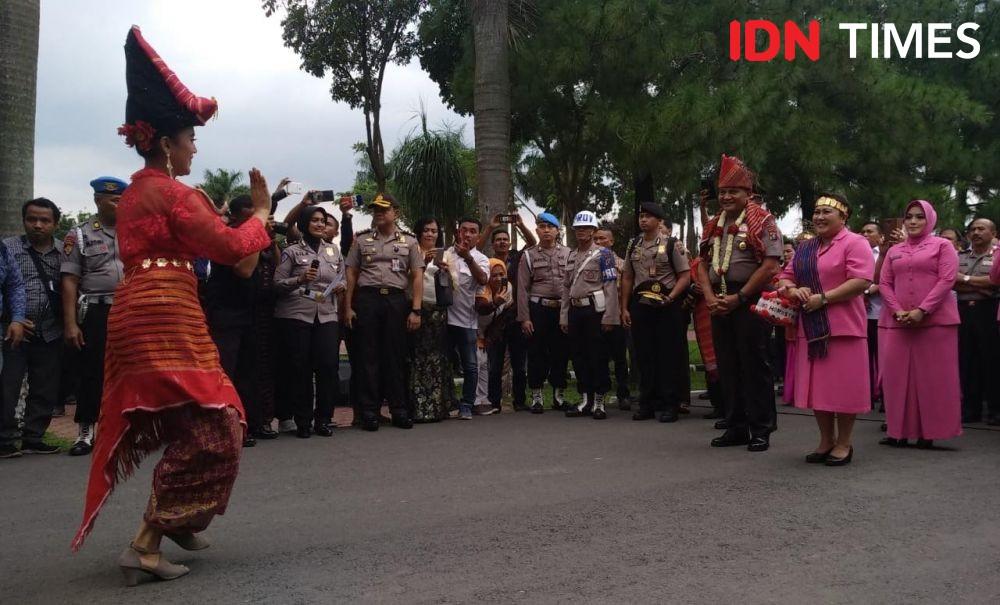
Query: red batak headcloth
[(158, 102), (734, 173)]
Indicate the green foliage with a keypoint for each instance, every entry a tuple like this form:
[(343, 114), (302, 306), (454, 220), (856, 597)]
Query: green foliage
[(428, 172), (608, 92), (223, 185), (352, 41)]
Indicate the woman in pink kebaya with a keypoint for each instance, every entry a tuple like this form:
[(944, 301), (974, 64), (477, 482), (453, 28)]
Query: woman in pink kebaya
[(918, 334)]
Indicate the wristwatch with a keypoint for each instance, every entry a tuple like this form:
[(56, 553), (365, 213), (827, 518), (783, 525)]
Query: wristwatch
[(966, 279), (417, 311)]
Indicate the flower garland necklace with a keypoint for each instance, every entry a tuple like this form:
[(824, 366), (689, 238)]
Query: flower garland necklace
[(731, 232)]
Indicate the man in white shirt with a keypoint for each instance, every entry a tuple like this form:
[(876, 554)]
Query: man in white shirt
[(470, 271), (873, 303)]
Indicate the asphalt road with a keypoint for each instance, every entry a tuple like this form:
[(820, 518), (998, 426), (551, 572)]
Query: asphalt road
[(522, 508)]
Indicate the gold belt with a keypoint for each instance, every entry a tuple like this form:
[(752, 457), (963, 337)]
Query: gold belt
[(165, 262)]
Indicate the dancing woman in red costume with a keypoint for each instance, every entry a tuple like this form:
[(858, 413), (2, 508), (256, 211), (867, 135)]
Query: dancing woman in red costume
[(163, 383)]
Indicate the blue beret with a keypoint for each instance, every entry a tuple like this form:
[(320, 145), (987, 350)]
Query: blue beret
[(548, 217), (109, 185)]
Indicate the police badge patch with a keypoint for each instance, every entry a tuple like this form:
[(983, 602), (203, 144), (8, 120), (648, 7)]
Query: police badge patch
[(69, 242)]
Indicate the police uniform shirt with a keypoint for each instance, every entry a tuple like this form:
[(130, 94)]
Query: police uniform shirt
[(90, 252), (541, 273), (584, 281), (307, 302), (385, 261), (744, 262), (976, 265), (652, 261)]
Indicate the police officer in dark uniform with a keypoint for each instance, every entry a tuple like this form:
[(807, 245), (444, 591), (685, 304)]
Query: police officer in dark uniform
[(540, 283), (978, 336), (91, 268), (655, 279), (382, 261)]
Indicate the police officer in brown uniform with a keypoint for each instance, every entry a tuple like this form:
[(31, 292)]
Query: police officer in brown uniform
[(978, 336), (540, 280), (383, 260), (588, 310), (740, 253), (91, 269), (655, 279), (310, 284)]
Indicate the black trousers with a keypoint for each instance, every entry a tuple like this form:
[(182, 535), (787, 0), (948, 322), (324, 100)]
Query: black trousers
[(42, 362), (238, 356), (380, 335), (873, 358), (617, 343), (91, 364), (978, 348), (548, 350), (662, 355), (745, 372), (586, 347), (311, 347), (513, 340)]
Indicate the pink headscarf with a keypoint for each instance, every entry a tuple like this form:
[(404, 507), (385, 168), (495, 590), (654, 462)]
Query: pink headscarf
[(931, 215)]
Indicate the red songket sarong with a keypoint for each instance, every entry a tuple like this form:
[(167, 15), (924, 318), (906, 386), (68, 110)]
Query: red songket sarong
[(160, 358), (703, 331)]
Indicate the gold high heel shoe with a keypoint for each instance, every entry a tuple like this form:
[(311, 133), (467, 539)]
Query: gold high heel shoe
[(188, 541), (132, 568)]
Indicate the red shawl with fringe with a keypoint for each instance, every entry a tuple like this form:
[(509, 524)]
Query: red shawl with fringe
[(159, 354)]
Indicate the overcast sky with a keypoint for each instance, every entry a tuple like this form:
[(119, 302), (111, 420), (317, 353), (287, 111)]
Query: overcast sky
[(271, 114)]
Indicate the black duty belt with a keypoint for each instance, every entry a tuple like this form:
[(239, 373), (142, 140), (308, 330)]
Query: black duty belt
[(382, 291)]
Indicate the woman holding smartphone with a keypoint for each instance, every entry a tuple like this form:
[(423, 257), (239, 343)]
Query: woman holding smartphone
[(431, 380)]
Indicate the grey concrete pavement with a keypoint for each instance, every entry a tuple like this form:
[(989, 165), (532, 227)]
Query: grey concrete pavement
[(522, 508)]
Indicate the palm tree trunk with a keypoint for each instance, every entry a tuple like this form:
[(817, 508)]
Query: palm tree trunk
[(491, 106), (18, 78)]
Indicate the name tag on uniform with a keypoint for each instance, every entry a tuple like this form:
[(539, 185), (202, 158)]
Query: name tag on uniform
[(96, 248)]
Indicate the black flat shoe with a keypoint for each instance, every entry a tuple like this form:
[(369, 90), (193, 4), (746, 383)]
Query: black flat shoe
[(520, 407), (722, 425), (643, 415), (758, 444), (925, 444), (322, 429), (893, 442), (831, 461), (818, 457), (249, 441), (303, 432), (728, 440), (668, 416)]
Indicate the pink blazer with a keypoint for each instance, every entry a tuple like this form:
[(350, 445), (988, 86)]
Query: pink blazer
[(848, 256), (922, 275)]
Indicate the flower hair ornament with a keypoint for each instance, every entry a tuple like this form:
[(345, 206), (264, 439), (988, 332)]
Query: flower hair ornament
[(138, 135)]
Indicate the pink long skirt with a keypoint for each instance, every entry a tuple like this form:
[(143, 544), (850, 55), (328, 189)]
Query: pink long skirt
[(920, 383), (788, 391), (836, 383)]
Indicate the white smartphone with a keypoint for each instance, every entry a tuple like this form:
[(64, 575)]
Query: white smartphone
[(293, 188)]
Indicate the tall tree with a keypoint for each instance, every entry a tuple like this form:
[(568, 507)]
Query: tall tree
[(491, 106), (353, 41), (18, 78), (428, 175)]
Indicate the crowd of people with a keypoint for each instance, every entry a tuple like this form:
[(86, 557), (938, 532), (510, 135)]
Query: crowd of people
[(904, 320)]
